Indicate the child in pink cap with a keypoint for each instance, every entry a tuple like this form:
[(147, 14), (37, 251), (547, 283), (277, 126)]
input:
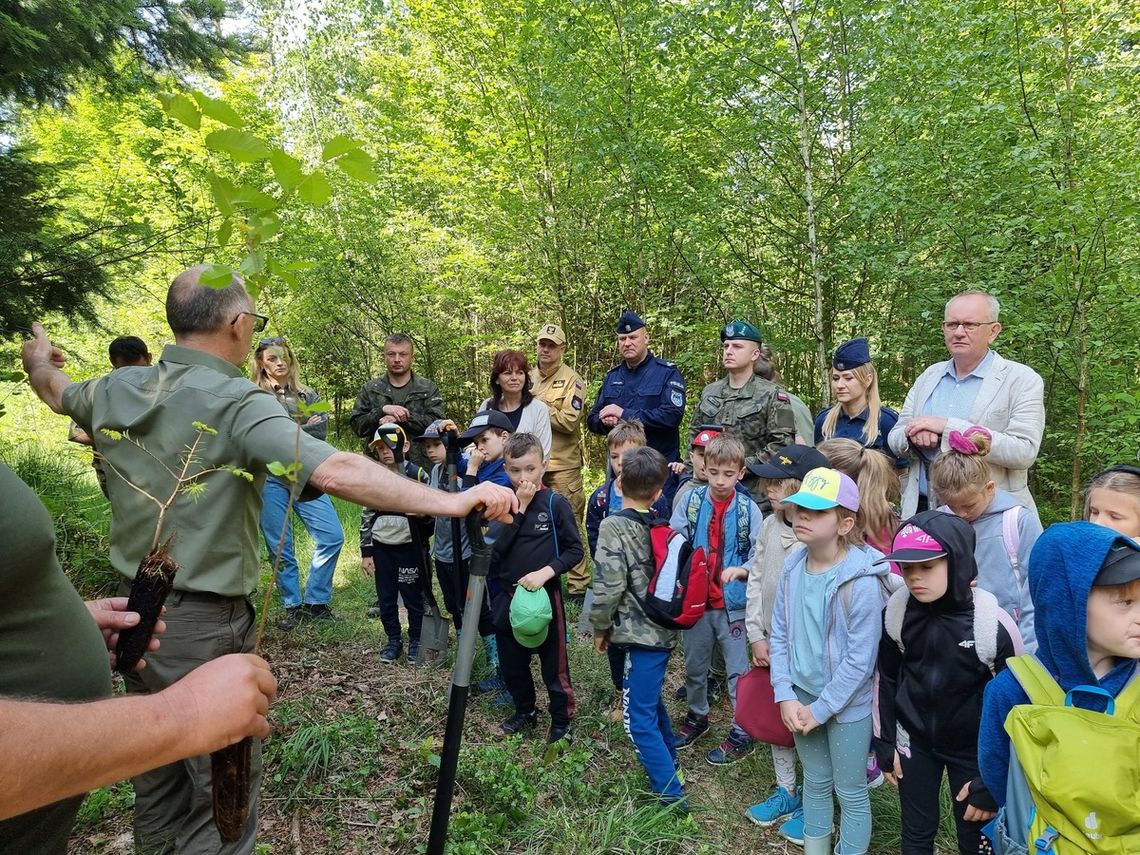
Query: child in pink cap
[(943, 640)]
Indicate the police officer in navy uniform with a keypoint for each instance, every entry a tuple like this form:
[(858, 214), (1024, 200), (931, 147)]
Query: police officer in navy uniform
[(645, 388), (858, 413)]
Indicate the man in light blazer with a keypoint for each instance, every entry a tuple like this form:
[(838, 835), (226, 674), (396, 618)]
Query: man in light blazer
[(976, 386)]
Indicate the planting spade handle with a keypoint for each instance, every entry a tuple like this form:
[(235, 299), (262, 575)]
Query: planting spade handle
[(451, 446), (460, 685)]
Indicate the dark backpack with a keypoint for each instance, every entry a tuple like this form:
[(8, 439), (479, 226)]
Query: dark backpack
[(678, 590)]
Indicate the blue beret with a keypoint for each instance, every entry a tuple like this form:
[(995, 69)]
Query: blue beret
[(628, 322), (851, 354), (740, 330)]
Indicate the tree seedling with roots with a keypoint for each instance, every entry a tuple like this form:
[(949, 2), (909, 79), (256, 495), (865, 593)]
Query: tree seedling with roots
[(154, 578), (232, 767)]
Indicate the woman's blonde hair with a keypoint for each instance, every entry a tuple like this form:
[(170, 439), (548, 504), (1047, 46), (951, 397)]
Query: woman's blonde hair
[(878, 482), (257, 371), (953, 471), (1116, 480), (868, 377)]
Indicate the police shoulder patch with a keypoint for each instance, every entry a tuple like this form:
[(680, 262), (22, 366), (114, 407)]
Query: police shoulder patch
[(576, 403), (783, 396), (677, 398)]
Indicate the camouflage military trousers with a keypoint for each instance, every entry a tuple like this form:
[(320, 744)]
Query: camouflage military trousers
[(568, 482)]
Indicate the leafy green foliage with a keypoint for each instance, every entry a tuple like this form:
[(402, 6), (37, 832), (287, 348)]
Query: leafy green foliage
[(498, 165), (46, 47)]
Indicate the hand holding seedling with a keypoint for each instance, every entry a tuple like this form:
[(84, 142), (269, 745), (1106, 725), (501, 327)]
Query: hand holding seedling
[(224, 701), (111, 615)]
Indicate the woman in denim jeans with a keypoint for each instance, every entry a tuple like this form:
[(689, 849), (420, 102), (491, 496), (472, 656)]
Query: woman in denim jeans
[(275, 369)]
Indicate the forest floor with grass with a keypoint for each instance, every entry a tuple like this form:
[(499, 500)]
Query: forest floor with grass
[(352, 761)]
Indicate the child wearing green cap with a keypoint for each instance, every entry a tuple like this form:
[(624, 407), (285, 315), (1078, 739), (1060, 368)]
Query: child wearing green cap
[(540, 544)]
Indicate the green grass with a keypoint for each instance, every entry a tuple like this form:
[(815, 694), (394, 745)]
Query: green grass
[(352, 761)]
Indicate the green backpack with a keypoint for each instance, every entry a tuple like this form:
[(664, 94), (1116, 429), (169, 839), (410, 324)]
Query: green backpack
[(1074, 774)]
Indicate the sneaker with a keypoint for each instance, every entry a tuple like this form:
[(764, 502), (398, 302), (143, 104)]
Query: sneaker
[(694, 726), (374, 610), (792, 828), (681, 693), (392, 650), (874, 773), (518, 723), (778, 806), (291, 618), (413, 652), (319, 611), (736, 746), (494, 683)]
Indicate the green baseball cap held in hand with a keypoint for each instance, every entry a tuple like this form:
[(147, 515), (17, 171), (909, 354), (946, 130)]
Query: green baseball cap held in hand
[(531, 614)]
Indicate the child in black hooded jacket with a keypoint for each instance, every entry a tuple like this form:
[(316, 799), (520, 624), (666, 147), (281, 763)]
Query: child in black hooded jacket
[(943, 641)]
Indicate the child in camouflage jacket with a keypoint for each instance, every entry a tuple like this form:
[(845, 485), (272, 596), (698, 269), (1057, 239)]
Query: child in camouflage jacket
[(623, 566)]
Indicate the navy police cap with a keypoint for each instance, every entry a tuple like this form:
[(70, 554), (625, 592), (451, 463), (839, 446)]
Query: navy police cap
[(851, 354), (628, 322), (741, 330)]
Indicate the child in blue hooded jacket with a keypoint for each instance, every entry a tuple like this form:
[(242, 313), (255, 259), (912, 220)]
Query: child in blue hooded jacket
[(822, 649), (1085, 580)]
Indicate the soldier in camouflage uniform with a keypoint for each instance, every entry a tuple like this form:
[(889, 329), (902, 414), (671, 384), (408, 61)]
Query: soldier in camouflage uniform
[(623, 565), (754, 410), (400, 397)]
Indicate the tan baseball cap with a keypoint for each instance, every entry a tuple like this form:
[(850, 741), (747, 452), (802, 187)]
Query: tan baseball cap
[(551, 332)]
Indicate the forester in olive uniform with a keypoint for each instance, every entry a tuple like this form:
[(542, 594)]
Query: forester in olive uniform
[(645, 388), (560, 387), (754, 410), (399, 397)]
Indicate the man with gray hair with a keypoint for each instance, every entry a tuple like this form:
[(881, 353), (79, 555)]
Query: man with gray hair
[(976, 386), (143, 420)]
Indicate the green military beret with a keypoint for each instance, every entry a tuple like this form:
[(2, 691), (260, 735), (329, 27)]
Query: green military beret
[(740, 330)]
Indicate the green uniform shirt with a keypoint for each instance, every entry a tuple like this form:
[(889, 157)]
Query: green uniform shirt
[(759, 414), (50, 648), (419, 395), (215, 537)]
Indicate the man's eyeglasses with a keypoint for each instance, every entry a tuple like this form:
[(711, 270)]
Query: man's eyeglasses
[(260, 322), (968, 326)]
